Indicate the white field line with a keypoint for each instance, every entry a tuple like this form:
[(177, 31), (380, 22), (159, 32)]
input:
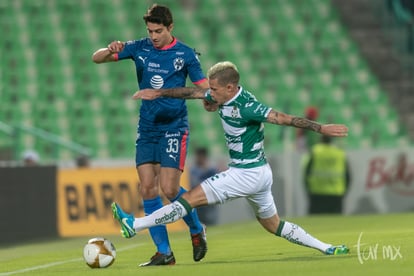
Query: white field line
[(38, 267)]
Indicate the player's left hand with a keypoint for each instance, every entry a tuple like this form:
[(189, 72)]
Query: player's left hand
[(334, 130), (209, 106), (116, 46), (147, 94)]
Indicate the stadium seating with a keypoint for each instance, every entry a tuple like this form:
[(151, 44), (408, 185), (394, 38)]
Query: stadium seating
[(291, 54)]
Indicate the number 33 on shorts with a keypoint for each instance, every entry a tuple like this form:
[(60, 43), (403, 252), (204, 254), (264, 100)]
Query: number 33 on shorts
[(174, 149)]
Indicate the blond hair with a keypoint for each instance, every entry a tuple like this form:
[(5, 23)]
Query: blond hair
[(225, 72)]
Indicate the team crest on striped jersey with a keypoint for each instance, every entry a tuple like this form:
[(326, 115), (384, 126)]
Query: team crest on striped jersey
[(230, 112), (235, 112)]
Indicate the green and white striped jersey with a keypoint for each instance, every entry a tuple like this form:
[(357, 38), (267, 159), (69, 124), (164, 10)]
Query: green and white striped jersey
[(242, 118)]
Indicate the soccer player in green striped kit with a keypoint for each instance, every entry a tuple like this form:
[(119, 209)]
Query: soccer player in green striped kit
[(249, 175)]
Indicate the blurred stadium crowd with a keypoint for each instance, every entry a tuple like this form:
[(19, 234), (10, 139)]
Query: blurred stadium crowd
[(292, 55)]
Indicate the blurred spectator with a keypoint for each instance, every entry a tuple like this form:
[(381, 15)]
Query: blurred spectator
[(305, 139), (82, 161), (30, 158), (327, 177), (200, 170)]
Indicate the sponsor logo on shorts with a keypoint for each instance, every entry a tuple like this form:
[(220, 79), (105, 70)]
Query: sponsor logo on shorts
[(173, 157), (175, 134)]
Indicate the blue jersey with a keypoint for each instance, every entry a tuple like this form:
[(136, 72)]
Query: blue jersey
[(163, 68)]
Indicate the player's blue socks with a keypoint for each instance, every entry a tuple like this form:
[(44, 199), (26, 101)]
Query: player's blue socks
[(191, 219), (158, 233)]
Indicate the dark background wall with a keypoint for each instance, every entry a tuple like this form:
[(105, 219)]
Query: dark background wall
[(27, 203)]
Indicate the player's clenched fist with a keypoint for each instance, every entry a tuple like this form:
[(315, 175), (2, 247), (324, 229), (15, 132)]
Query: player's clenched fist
[(116, 46)]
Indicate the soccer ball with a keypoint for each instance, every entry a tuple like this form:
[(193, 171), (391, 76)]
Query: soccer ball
[(99, 253)]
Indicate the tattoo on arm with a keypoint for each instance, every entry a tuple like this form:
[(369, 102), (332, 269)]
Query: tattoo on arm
[(185, 92), (281, 118), (273, 117), (306, 124)]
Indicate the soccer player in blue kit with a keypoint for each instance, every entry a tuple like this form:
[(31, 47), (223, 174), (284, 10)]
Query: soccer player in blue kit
[(162, 61)]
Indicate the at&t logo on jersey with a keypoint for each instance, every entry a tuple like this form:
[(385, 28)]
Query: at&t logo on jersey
[(157, 81), (178, 64)]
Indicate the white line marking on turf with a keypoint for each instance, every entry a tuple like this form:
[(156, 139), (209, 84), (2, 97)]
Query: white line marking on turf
[(70, 261), (58, 263), (40, 267)]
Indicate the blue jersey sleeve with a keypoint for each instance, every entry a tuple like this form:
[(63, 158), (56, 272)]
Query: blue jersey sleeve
[(129, 50), (194, 69)]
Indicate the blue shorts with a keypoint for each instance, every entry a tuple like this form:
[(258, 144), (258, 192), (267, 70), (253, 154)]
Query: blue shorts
[(168, 148)]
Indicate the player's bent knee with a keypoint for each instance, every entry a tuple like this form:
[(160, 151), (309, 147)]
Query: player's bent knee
[(170, 193), (170, 190), (195, 197), (148, 191)]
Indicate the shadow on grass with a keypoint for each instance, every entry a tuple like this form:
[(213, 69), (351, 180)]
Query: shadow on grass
[(272, 259), (312, 258)]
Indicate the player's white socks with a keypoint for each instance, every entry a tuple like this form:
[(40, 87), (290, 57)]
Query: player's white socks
[(180, 208), (296, 234), (167, 214)]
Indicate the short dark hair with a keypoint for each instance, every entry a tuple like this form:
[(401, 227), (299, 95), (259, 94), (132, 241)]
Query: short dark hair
[(159, 14)]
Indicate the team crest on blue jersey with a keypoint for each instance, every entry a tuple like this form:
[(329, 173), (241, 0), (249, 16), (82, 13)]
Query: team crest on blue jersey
[(178, 64)]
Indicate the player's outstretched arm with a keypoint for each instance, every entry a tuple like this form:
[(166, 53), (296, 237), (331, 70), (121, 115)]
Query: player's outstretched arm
[(179, 92), (280, 118), (183, 92), (107, 54)]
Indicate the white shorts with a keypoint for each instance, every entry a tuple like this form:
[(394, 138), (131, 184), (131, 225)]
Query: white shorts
[(254, 184)]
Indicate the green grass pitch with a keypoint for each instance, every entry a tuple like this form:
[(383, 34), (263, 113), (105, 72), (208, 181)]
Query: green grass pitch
[(380, 245)]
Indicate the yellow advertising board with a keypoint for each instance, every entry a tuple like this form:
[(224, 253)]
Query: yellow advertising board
[(84, 198)]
